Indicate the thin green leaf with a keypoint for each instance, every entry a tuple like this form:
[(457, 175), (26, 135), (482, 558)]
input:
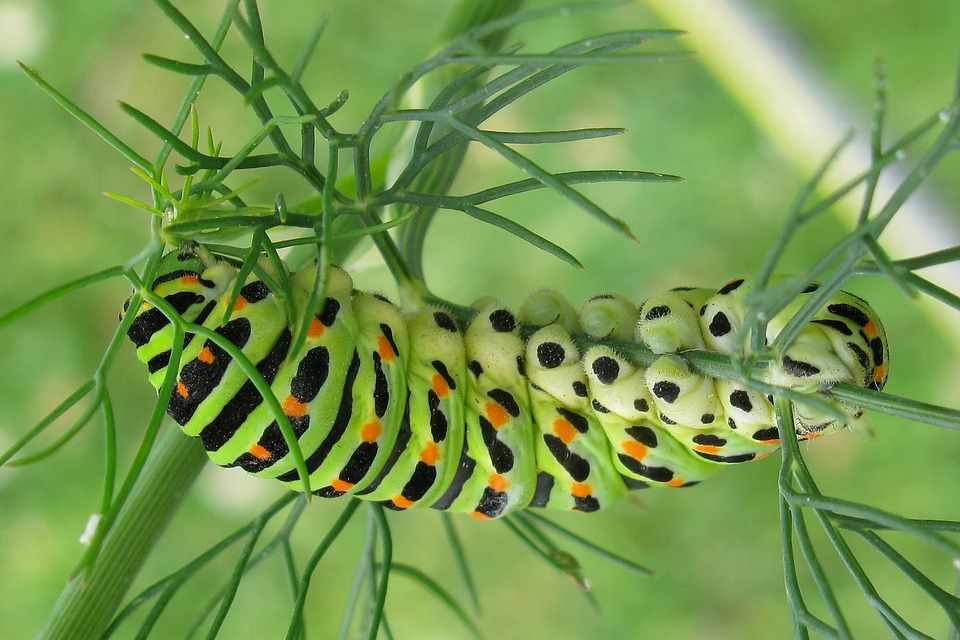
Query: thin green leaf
[(460, 556), (212, 205), (370, 230), (296, 72), (227, 72), (944, 256), (256, 25), (280, 540), (246, 150), (523, 233), (947, 601), (819, 575), (441, 594), (946, 526), (252, 161), (334, 105), (196, 38), (894, 405), (146, 628), (364, 567), (285, 291), (133, 202), (57, 444), (794, 217), (86, 119), (49, 296), (551, 137), (876, 138), (331, 535), (160, 131), (319, 289), (157, 185), (798, 608), (292, 575), (386, 546), (186, 105), (570, 177), (548, 179), (524, 81), (527, 78), (110, 450), (47, 420), (561, 10), (196, 563), (234, 585), (294, 90), (184, 68), (251, 257), (794, 465), (896, 274), (889, 157), (934, 291), (548, 60), (259, 88), (604, 553), (562, 562)]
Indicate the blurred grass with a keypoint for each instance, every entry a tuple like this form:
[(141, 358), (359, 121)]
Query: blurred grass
[(716, 548)]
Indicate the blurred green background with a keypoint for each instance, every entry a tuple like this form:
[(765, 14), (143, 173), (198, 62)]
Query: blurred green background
[(715, 548)]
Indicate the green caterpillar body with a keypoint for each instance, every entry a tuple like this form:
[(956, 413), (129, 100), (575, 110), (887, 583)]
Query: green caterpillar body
[(411, 409)]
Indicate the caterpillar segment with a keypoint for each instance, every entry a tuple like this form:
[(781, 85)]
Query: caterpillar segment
[(353, 445), (572, 448), (498, 464), (424, 460), (414, 409), (644, 450), (347, 462), (315, 391)]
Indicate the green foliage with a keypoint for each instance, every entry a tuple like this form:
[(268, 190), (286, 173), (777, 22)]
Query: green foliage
[(368, 201)]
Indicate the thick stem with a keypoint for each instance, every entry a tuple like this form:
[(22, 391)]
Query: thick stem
[(87, 604)]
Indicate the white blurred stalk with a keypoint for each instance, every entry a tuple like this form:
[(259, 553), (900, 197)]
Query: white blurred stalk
[(793, 105)]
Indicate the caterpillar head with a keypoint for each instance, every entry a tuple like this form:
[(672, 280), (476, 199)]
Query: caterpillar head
[(189, 269), (844, 342), (874, 369), (170, 264)]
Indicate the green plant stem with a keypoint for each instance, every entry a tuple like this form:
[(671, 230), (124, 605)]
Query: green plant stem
[(464, 568), (87, 604)]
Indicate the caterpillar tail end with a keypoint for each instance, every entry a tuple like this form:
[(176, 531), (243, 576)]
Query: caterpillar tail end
[(844, 342)]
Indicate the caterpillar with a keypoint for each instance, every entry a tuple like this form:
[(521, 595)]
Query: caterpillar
[(414, 408)]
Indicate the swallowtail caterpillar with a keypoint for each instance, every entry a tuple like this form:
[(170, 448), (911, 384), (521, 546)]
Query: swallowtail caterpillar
[(411, 409)]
